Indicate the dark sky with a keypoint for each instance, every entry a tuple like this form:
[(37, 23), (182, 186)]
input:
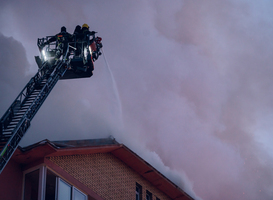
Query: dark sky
[(186, 84)]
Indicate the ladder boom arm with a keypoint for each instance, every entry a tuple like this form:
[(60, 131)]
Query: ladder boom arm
[(16, 121), (70, 59)]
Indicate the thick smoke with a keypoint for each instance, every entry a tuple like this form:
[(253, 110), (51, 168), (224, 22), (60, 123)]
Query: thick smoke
[(225, 91), (190, 91)]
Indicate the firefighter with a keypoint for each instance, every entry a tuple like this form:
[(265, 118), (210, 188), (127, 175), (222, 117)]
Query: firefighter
[(80, 37), (77, 39), (85, 28), (77, 32), (63, 35), (62, 39), (85, 31)]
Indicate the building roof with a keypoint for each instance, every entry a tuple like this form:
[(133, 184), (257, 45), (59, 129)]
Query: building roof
[(46, 148)]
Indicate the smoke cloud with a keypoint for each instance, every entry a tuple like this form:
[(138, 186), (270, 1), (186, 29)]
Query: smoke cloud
[(189, 87)]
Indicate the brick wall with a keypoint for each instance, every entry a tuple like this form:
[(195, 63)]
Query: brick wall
[(107, 176)]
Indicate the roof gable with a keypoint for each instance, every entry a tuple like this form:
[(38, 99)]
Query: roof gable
[(48, 148)]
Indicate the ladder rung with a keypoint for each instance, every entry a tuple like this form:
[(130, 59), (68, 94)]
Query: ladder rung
[(6, 129), (21, 113), (11, 126), (23, 109), (12, 122), (17, 118), (6, 132), (27, 103), (29, 100), (34, 94), (5, 136)]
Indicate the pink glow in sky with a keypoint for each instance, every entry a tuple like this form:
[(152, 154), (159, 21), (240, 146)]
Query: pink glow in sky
[(192, 86)]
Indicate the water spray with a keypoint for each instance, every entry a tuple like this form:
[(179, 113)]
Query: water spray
[(115, 89)]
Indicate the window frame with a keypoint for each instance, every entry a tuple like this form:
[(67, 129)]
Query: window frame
[(42, 182), (72, 189), (149, 194), (140, 191), (57, 187)]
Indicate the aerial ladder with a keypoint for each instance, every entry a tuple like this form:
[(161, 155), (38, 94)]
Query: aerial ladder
[(59, 60)]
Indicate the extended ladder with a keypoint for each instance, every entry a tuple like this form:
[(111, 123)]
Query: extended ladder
[(16, 120)]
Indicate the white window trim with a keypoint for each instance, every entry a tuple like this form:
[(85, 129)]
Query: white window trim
[(42, 182), (71, 186), (74, 188)]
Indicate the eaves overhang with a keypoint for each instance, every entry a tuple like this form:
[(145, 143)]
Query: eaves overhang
[(47, 148)]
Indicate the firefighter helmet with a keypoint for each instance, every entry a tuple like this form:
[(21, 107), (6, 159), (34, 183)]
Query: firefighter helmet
[(85, 26)]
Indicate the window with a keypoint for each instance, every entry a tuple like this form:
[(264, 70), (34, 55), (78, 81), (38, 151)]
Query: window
[(149, 195), (77, 195), (138, 192), (31, 189), (69, 192), (50, 185), (64, 190), (44, 184)]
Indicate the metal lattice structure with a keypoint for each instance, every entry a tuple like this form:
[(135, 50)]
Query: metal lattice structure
[(16, 121)]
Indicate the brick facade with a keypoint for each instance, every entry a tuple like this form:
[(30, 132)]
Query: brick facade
[(106, 175)]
